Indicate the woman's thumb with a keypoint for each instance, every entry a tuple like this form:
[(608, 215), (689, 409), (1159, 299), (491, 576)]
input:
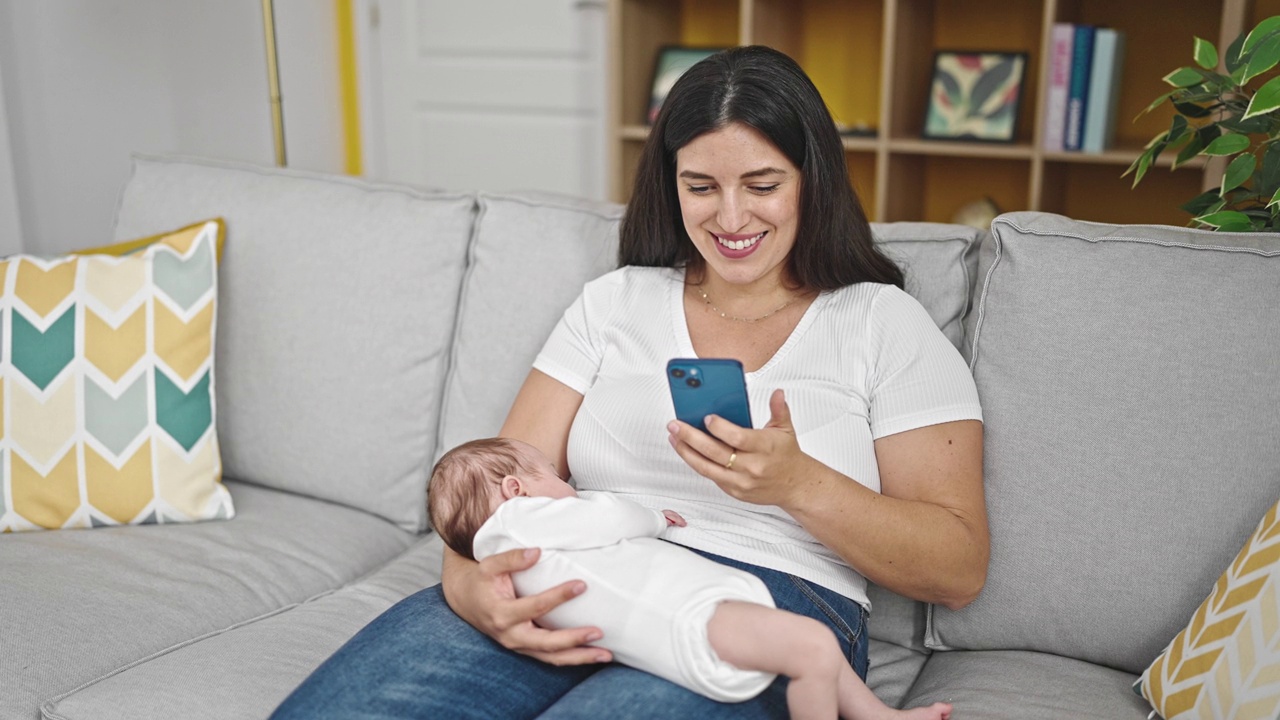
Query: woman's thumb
[(779, 413)]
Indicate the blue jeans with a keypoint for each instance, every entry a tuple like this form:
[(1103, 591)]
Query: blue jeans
[(420, 660)]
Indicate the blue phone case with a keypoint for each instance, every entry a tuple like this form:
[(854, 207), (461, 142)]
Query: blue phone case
[(702, 387)]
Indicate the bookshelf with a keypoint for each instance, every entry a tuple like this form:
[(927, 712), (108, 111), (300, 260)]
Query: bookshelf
[(872, 61)]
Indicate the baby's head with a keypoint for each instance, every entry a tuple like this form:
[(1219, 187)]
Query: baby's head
[(473, 479)]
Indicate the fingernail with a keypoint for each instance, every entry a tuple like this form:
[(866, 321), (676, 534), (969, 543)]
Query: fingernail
[(529, 553), (671, 439), (602, 658), (578, 588), (673, 427), (594, 636)]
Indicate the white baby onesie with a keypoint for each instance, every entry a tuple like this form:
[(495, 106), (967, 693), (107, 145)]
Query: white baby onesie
[(652, 599)]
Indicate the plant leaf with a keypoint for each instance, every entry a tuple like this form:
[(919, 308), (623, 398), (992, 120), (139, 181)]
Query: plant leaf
[(1184, 77), (1156, 103), (1206, 54), (989, 82), (1191, 109), (1190, 150), (1260, 32), (1275, 199), (1232, 58), (1265, 100), (1264, 57), (1253, 126), (1268, 179), (1202, 202), (1238, 172), (1225, 217), (1228, 144)]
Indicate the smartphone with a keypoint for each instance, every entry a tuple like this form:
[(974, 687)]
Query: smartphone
[(702, 387)]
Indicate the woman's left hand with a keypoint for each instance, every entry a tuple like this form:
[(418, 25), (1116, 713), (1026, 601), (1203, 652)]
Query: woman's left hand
[(763, 467)]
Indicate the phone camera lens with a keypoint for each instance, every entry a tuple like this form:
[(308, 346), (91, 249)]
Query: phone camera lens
[(693, 382), (677, 373)]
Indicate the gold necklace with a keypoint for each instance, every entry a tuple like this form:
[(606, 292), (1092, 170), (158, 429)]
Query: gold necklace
[(727, 316)]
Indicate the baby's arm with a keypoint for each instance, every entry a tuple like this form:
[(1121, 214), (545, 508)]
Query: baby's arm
[(580, 523)]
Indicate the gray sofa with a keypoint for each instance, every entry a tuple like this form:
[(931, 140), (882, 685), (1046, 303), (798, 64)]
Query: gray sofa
[(1128, 377)]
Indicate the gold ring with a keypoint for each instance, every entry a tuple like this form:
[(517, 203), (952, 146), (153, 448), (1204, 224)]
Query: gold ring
[(729, 465)]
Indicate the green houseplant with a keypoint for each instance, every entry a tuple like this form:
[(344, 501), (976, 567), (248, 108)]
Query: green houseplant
[(1235, 115)]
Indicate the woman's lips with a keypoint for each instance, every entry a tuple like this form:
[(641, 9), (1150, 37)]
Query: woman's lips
[(738, 245)]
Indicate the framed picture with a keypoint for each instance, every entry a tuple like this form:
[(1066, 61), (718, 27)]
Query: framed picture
[(672, 61), (974, 95)]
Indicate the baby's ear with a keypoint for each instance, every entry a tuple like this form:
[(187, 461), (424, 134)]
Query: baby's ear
[(512, 486)]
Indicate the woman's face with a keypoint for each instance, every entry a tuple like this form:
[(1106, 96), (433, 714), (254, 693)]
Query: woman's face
[(740, 200)]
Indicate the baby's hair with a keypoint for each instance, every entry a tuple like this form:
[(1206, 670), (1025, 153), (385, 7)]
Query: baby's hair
[(459, 493)]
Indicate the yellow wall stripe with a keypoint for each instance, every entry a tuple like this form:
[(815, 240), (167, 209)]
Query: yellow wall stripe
[(349, 88)]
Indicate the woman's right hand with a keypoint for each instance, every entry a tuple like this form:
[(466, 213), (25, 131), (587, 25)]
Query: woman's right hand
[(484, 595)]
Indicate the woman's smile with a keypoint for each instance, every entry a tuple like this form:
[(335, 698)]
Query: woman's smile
[(738, 245)]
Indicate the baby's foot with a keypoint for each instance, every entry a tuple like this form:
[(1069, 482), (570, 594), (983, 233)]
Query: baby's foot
[(936, 711)]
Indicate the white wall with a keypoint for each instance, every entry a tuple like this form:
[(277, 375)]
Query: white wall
[(88, 82), (10, 228)]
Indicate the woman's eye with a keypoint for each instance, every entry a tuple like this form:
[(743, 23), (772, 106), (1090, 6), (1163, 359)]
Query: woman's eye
[(699, 189), (764, 189)]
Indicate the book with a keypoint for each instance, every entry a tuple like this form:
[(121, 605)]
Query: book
[(1104, 90), (1055, 115), (1078, 89)]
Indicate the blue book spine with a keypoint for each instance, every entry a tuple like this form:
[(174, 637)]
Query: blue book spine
[(1104, 90), (1078, 92)]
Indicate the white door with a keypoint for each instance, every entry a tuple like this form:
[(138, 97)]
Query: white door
[(484, 94)]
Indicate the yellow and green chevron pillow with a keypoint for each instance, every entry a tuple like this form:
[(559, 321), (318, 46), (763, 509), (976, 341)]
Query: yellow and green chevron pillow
[(107, 397), (1226, 662)]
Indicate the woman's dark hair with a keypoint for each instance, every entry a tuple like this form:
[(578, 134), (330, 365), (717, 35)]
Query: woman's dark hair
[(765, 90)]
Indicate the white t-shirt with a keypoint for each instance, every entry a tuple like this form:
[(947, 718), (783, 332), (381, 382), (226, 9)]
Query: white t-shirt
[(865, 361)]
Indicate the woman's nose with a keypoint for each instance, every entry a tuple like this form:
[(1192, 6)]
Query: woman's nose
[(732, 215)]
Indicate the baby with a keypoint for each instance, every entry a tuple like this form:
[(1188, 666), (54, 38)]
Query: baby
[(663, 609)]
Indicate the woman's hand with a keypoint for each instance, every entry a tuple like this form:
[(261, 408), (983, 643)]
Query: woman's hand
[(484, 595), (764, 467)]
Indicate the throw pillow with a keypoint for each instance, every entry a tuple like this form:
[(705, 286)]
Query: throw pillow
[(1226, 662), (129, 247), (107, 392)]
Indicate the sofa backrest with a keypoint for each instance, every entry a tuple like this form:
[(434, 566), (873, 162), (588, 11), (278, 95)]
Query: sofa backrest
[(1128, 377), (337, 300)]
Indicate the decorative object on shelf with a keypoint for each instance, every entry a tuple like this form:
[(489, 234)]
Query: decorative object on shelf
[(974, 95), (1084, 85), (977, 214), (672, 62), (1236, 116)]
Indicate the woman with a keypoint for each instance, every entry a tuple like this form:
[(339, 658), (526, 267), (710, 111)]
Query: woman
[(743, 240)]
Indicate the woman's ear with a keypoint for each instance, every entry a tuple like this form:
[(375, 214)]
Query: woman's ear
[(512, 486)]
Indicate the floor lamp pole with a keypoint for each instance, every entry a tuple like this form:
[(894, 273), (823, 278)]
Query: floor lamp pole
[(273, 79)]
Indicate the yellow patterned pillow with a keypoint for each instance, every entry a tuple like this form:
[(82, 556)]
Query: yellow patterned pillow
[(107, 397), (1226, 662)]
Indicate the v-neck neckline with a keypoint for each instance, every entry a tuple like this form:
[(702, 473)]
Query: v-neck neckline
[(680, 323)]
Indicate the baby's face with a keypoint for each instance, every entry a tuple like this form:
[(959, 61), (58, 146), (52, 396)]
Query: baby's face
[(540, 478)]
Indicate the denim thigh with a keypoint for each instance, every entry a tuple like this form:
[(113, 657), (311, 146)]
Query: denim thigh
[(420, 660), (622, 692)]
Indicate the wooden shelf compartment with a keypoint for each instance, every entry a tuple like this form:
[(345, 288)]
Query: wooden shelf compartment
[(933, 187), (1097, 192), (918, 28)]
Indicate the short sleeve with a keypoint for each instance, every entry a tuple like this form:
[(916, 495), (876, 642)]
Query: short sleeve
[(918, 377), (573, 351)]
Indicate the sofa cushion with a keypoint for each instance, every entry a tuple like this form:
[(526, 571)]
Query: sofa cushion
[(1226, 661), (108, 392), (530, 257), (893, 670), (939, 263), (1016, 685), (337, 306), (1127, 375), (246, 670), (87, 603)]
